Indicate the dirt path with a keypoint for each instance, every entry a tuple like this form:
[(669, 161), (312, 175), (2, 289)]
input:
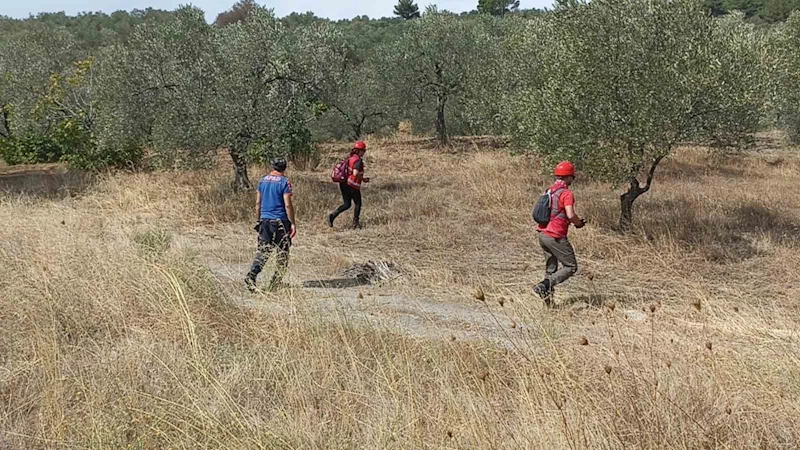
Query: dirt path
[(384, 306), (395, 305)]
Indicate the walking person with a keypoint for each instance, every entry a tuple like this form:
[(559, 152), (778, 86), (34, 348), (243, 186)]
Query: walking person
[(276, 224), (350, 184), (553, 236)]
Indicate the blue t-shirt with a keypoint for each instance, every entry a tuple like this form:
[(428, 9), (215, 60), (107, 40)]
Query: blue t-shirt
[(272, 188)]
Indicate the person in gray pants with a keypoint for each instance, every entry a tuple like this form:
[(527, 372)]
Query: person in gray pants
[(553, 237)]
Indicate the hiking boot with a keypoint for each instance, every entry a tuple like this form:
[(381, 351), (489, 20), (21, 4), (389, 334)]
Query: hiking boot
[(545, 291), (356, 226), (250, 282), (329, 220)]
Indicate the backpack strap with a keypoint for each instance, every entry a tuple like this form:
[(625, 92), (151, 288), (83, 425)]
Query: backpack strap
[(555, 208)]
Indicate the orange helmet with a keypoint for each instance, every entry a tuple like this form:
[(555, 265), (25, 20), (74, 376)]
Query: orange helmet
[(565, 169), (360, 145)]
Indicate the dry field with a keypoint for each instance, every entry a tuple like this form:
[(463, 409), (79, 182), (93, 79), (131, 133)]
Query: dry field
[(124, 322)]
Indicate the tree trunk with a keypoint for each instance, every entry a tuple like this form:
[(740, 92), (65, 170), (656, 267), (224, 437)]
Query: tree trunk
[(357, 127), (635, 191), (441, 102), (5, 128), (441, 126), (241, 180), (626, 206)]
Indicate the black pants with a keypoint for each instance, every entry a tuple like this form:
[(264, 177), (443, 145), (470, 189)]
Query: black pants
[(349, 196), (273, 237)]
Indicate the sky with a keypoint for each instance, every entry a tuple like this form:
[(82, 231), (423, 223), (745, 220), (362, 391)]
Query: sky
[(333, 9)]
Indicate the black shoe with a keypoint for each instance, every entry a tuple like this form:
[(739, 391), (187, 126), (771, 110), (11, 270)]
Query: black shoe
[(329, 220), (356, 226), (545, 291), (250, 281)]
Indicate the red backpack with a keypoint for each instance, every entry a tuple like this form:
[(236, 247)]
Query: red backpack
[(341, 171)]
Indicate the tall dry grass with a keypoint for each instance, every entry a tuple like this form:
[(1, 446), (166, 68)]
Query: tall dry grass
[(115, 333)]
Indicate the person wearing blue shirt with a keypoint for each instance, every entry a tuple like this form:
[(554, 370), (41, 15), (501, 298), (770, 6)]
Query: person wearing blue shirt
[(276, 223)]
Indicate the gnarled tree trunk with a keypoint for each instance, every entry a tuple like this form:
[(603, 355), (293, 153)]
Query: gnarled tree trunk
[(5, 127), (441, 103), (634, 191), (441, 126), (238, 154)]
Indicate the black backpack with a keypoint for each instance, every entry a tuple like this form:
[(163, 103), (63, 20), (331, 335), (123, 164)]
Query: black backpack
[(543, 209)]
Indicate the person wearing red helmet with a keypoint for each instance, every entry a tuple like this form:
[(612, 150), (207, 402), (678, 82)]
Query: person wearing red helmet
[(553, 237), (351, 187)]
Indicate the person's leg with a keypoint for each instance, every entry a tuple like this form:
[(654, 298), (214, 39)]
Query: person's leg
[(545, 288), (346, 203), (550, 260), (262, 253), (282, 243), (356, 195), (563, 251)]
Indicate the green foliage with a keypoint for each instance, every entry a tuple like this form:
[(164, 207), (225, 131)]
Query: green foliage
[(91, 30), (616, 85), (785, 58), (755, 10), (31, 148), (497, 7), (292, 139), (270, 77), (432, 63), (407, 10), (157, 91)]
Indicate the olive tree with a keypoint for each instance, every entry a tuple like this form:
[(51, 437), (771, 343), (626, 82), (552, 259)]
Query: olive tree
[(158, 89), (616, 85), (785, 60), (269, 84), (480, 108), (430, 64), (46, 95), (355, 100)]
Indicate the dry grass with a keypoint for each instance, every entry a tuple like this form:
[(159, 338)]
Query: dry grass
[(117, 335)]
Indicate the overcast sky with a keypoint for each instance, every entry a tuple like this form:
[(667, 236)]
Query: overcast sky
[(334, 9)]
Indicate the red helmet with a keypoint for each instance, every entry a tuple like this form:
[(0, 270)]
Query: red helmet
[(360, 145), (565, 169)]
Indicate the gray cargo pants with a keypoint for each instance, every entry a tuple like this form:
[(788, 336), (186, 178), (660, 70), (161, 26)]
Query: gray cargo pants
[(558, 251)]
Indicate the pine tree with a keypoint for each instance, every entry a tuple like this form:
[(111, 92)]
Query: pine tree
[(406, 9)]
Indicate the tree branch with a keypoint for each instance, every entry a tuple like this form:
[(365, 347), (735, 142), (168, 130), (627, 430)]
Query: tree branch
[(155, 88), (651, 173), (346, 116)]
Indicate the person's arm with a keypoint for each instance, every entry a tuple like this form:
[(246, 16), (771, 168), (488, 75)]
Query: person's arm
[(258, 205), (358, 172), (287, 199), (573, 217)]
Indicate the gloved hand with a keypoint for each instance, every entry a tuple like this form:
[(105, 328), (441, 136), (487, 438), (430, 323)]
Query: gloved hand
[(581, 224), (258, 226)]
